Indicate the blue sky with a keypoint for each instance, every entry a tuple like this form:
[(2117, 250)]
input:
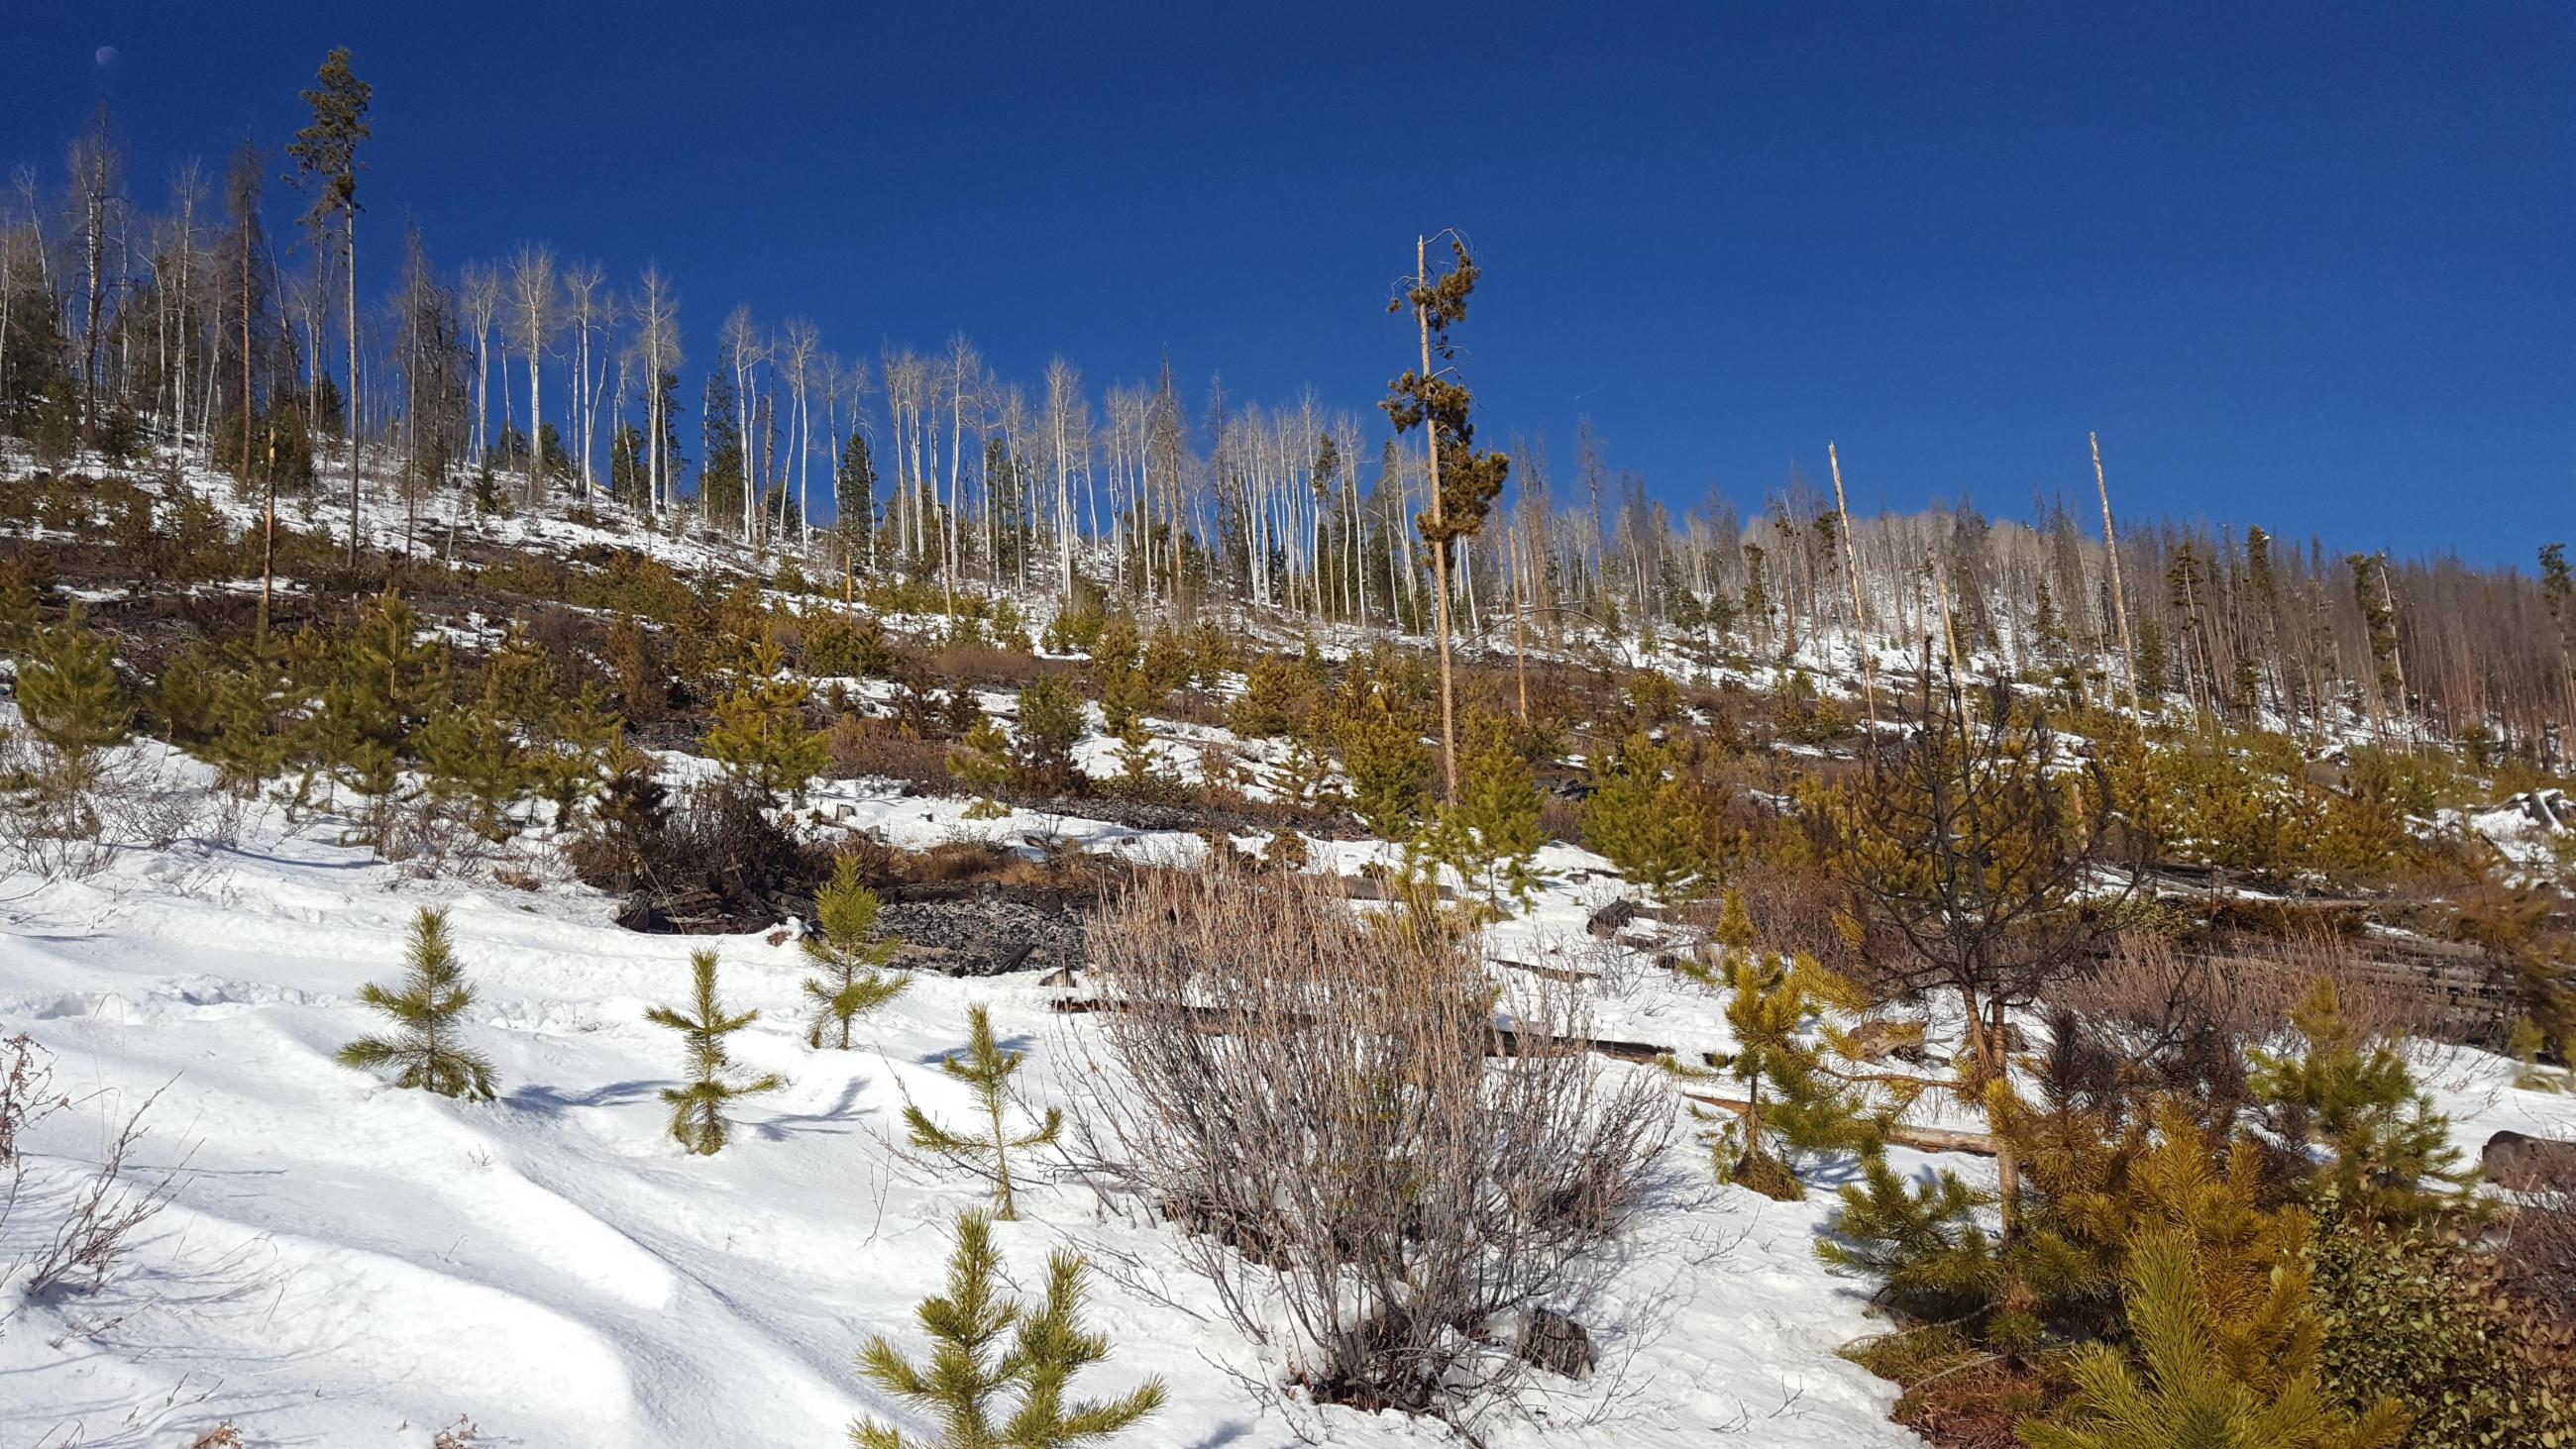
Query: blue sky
[(2308, 266)]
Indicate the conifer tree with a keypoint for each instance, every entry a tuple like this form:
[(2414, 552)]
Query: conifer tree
[(698, 1110), (970, 1370), (983, 759), (1490, 833), (326, 155), (1389, 770), (427, 1013), (1464, 482), (845, 947), (1646, 820), (1809, 1107), (71, 698), (2392, 1152), (2191, 1385), (986, 1069), (759, 734)]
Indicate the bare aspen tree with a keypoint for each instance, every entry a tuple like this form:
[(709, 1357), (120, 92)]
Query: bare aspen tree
[(584, 309), (96, 166), (658, 321), (478, 296), (532, 313), (800, 352)]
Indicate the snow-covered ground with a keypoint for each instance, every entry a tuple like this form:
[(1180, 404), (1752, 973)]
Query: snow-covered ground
[(354, 1265)]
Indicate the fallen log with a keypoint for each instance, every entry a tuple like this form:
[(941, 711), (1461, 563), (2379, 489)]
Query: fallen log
[(1921, 1139)]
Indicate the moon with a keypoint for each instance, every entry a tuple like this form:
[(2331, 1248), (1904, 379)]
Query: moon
[(106, 54)]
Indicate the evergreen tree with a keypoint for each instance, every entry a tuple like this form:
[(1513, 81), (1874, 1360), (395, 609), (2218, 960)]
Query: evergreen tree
[(1051, 718), (698, 1109), (845, 947), (1389, 770), (983, 759), (1490, 834), (71, 698), (969, 1370), (1647, 820), (759, 734), (2392, 1158), (326, 160), (427, 1013), (2190, 1386), (1792, 1092), (1464, 482), (986, 1069)]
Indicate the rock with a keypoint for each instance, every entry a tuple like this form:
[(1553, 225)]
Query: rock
[(1553, 1342), (1606, 922), (2518, 1161)]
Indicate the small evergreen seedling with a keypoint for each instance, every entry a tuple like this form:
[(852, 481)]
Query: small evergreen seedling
[(427, 1013), (965, 1377), (71, 698), (2392, 1154), (698, 1109), (987, 1069), (846, 949)]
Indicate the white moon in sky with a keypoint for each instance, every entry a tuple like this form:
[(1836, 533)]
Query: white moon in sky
[(106, 53)]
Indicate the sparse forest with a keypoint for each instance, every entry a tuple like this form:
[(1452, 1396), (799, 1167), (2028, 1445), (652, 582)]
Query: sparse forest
[(1374, 927)]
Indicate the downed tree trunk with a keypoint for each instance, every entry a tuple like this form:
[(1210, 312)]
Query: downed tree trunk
[(1921, 1139), (1504, 1042)]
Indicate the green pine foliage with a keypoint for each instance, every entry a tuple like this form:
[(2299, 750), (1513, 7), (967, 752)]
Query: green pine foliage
[(1491, 836), (1921, 1242), (2391, 1154), (70, 696), (2183, 1386), (983, 759), (1647, 821), (849, 956), (1051, 716), (1388, 764), (1796, 1100), (999, 1373), (759, 734), (427, 1013), (986, 1069), (698, 1119)]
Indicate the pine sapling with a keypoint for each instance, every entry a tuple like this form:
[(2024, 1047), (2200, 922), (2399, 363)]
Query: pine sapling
[(2392, 1155), (698, 1109), (970, 1370), (987, 1070), (846, 949), (427, 1013)]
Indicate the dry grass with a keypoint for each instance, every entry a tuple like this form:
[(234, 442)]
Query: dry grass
[(1310, 1095)]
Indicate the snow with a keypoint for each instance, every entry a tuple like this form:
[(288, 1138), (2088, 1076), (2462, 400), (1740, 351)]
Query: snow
[(354, 1265)]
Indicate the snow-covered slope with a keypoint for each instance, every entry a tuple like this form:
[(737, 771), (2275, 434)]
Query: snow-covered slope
[(353, 1265)]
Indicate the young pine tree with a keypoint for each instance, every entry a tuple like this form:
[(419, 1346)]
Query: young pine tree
[(970, 1369), (1794, 1099), (2392, 1156), (71, 698), (846, 950), (983, 759), (427, 1013), (759, 733), (986, 1069), (2189, 1384), (1647, 820), (698, 1109), (1490, 835)]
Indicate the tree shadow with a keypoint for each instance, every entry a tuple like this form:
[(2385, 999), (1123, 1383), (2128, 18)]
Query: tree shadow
[(844, 1109), (547, 1101)]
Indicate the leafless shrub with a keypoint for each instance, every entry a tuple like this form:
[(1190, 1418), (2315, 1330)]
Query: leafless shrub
[(27, 1098), (2151, 993), (1326, 1106), (460, 1435), (2539, 1250), (222, 1436), (98, 1229)]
